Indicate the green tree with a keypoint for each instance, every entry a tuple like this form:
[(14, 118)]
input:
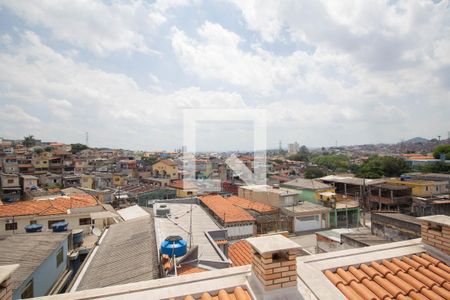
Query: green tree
[(302, 155), (445, 149), (332, 161), (78, 147), (38, 150), (311, 173), (439, 167), (149, 161), (379, 166), (29, 141), (48, 149)]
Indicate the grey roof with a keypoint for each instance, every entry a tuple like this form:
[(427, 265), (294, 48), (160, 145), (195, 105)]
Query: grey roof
[(309, 184), (126, 254), (29, 250)]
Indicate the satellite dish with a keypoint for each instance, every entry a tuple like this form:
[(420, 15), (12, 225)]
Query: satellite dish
[(96, 231)]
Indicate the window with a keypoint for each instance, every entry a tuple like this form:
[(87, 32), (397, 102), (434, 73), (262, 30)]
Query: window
[(85, 221), (11, 226), (426, 188), (28, 290), (437, 188), (50, 223), (10, 180), (59, 257), (33, 222)]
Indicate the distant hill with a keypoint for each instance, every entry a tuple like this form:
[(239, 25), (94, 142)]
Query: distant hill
[(417, 140)]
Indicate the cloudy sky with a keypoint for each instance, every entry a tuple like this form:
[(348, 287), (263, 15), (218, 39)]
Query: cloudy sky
[(348, 71)]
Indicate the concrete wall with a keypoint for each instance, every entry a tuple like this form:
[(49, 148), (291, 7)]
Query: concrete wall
[(394, 229), (45, 276), (240, 230)]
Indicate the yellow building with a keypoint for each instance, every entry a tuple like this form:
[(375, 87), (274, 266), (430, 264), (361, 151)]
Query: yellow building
[(422, 188), (118, 180), (166, 168), (87, 181), (183, 189)]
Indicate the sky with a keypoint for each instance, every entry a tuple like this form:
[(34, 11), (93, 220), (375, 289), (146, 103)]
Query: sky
[(325, 72)]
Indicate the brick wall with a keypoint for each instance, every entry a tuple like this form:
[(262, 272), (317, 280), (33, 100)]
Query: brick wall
[(276, 270), (6, 289), (436, 235)]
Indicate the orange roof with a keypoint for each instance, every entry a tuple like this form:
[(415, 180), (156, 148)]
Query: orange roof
[(238, 293), (224, 210), (420, 276), (253, 205), (179, 184), (168, 162), (189, 269), (417, 156), (58, 206), (240, 253)]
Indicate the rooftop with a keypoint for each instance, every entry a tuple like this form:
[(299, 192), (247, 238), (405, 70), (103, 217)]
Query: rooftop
[(252, 205), (306, 207), (271, 189), (240, 253), (178, 224), (58, 206), (225, 210), (439, 219), (29, 251), (126, 253), (310, 184), (272, 243), (351, 180), (132, 212)]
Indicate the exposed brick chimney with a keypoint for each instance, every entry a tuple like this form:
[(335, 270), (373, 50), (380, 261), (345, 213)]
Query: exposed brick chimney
[(274, 262), (435, 231), (5, 281)]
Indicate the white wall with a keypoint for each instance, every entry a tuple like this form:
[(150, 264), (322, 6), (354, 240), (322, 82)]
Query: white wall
[(240, 230), (301, 224)]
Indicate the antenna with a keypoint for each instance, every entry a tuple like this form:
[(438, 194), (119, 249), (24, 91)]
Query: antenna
[(87, 138)]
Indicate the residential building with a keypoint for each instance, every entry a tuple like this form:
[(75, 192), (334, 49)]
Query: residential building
[(238, 222), (422, 188), (394, 226), (71, 180), (166, 168), (41, 260), (87, 181), (309, 189), (75, 210), (306, 216), (203, 168), (50, 180), (10, 187), (28, 182), (41, 163), (293, 148), (10, 164), (387, 196), (429, 177), (278, 197), (184, 188)]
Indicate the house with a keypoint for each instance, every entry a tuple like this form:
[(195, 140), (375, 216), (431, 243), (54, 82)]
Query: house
[(87, 181), (28, 182), (81, 165), (268, 218), (103, 180), (306, 216), (41, 163), (126, 254), (184, 188), (429, 177), (203, 168), (422, 188), (71, 180), (348, 186), (50, 180), (118, 180), (238, 222), (310, 190), (274, 196), (166, 168), (387, 196), (10, 164), (41, 259), (76, 210), (10, 185), (394, 226)]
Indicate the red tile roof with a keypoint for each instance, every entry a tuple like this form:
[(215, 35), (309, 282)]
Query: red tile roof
[(419, 276), (240, 253), (58, 206), (189, 269), (180, 184), (253, 205), (238, 293), (224, 210)]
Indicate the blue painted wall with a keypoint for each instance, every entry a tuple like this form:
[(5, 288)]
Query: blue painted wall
[(45, 276)]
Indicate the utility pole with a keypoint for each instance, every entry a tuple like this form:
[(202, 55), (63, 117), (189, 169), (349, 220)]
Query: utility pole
[(87, 138)]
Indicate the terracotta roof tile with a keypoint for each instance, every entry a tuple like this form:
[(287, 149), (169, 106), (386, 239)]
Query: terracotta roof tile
[(240, 253), (59, 205), (253, 205), (237, 294), (190, 269), (225, 211), (419, 276)]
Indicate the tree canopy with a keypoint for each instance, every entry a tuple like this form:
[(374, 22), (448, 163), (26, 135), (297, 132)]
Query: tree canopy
[(332, 161), (302, 155), (78, 147), (445, 149), (312, 173), (29, 141), (379, 166)]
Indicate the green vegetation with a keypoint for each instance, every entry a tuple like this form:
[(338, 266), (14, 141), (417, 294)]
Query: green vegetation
[(302, 155), (445, 149), (379, 166), (439, 167), (38, 150), (312, 173), (333, 162), (29, 141), (78, 147), (48, 149), (149, 161)]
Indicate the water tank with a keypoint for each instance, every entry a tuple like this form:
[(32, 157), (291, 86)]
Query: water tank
[(174, 245), (77, 237), (162, 210), (33, 228), (60, 227)]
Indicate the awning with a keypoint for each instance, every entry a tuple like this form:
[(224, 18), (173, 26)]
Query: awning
[(103, 215)]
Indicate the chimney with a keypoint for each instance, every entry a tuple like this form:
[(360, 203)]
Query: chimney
[(6, 292), (274, 266), (435, 231)]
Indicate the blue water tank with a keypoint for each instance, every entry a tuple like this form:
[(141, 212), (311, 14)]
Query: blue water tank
[(174, 245), (33, 228), (60, 227), (77, 237)]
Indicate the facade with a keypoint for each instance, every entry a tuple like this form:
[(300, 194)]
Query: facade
[(423, 188), (50, 180), (28, 182), (10, 187), (309, 189), (390, 197), (307, 216), (183, 188), (278, 197), (166, 168), (87, 181)]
